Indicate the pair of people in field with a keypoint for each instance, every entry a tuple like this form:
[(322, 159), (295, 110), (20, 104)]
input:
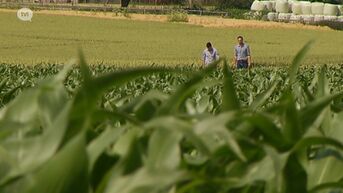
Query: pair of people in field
[(242, 58)]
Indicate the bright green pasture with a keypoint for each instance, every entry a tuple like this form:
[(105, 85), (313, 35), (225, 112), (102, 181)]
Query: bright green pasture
[(55, 39)]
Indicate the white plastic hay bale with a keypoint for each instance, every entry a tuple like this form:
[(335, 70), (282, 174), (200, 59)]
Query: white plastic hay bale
[(330, 9), (317, 8), (306, 8), (282, 6), (308, 19), (330, 18), (272, 16), (268, 5), (290, 3), (257, 6), (318, 18), (296, 8), (340, 9), (295, 18), (284, 17)]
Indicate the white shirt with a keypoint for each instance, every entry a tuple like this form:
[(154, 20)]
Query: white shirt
[(209, 57)]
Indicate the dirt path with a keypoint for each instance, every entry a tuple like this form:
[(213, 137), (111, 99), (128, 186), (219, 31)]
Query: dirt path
[(206, 21)]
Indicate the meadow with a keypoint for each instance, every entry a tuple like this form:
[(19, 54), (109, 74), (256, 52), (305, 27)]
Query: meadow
[(55, 39)]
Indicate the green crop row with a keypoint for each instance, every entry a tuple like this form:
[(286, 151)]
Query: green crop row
[(248, 84)]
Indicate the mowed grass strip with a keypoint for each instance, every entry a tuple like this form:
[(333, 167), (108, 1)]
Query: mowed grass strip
[(56, 38)]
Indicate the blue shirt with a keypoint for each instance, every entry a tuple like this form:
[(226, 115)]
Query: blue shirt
[(242, 52)]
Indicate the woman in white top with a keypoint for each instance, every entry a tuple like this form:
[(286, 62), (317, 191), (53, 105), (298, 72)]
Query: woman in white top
[(210, 54)]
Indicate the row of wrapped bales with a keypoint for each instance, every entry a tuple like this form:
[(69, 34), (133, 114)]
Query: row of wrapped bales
[(308, 19), (298, 7)]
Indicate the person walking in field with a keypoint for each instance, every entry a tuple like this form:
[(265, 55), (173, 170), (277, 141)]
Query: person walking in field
[(242, 58), (210, 54)]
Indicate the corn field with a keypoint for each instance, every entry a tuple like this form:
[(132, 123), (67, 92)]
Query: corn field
[(102, 129)]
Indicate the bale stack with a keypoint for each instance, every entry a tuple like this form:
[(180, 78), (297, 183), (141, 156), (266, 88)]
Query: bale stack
[(295, 18), (308, 19), (284, 17), (340, 18), (272, 16), (318, 18), (306, 8), (317, 8), (330, 9), (296, 8), (330, 18), (268, 5), (282, 6), (257, 6), (299, 11)]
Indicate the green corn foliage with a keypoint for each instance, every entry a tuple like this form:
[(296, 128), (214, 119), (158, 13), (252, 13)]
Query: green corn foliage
[(167, 130)]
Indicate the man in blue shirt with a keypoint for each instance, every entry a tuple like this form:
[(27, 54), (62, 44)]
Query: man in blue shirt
[(242, 54)]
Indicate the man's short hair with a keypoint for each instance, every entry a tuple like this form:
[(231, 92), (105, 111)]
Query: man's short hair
[(208, 44), (240, 37)]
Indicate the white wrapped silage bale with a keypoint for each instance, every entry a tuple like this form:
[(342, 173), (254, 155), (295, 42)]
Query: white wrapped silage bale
[(317, 8), (308, 19), (290, 3), (295, 18), (330, 9), (257, 6), (282, 6), (318, 18), (340, 18), (330, 18), (340, 9), (284, 17), (268, 5), (296, 8), (306, 8), (272, 16)]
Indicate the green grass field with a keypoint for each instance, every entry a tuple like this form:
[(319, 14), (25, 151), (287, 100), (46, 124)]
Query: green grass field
[(55, 39)]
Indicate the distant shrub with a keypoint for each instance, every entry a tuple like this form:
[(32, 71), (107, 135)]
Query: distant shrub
[(178, 16), (246, 14), (237, 13), (125, 13), (241, 4), (256, 15)]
